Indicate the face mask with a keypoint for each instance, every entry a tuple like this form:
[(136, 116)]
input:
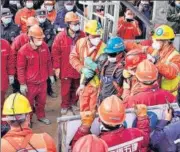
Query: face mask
[(69, 7), (129, 17), (29, 4), (13, 2), (41, 20), (178, 4), (156, 45), (95, 41), (37, 43), (6, 20), (75, 28), (49, 8), (144, 2), (112, 59)]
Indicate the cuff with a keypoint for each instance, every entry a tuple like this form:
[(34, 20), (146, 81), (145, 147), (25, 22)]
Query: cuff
[(162, 124)]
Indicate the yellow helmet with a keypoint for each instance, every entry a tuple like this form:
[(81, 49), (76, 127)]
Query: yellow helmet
[(16, 104), (163, 32), (93, 28)]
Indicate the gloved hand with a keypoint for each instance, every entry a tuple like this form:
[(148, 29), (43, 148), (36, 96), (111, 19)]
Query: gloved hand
[(52, 79), (81, 87), (126, 84), (140, 110), (126, 74), (57, 72), (90, 63), (87, 72), (11, 79), (151, 58), (87, 118), (23, 89)]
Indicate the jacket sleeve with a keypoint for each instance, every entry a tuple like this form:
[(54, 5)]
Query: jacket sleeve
[(56, 52), (21, 65), (50, 67), (17, 18), (74, 58), (11, 62), (171, 69), (137, 30), (50, 143), (172, 16)]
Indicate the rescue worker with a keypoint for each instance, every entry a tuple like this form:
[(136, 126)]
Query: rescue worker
[(61, 49), (147, 86), (91, 46), (33, 69), (9, 30), (20, 137), (18, 42), (173, 16), (68, 7), (7, 75), (51, 12), (128, 27), (23, 14), (50, 34), (90, 143), (118, 138), (166, 136), (110, 66)]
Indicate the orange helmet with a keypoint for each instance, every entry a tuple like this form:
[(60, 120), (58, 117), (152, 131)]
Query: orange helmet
[(36, 32), (133, 58), (146, 72), (90, 143), (32, 21), (112, 111), (71, 17), (49, 2)]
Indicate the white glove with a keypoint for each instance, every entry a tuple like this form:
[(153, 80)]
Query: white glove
[(151, 58), (23, 89), (126, 84), (11, 79), (52, 79)]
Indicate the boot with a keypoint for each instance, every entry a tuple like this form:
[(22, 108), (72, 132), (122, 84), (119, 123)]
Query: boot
[(45, 121)]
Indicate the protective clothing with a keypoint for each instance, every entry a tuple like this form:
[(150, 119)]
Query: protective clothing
[(17, 139), (141, 110), (77, 56), (71, 17), (156, 96), (23, 89), (128, 30), (16, 104), (163, 32), (146, 72), (133, 58), (112, 111), (36, 32), (61, 48), (51, 12), (92, 27), (21, 17), (90, 143), (88, 73), (114, 45), (32, 21), (51, 16)]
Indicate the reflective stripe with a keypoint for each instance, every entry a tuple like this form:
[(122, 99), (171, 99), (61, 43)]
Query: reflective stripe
[(134, 141), (177, 141), (39, 150)]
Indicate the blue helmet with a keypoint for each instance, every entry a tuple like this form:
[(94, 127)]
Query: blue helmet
[(115, 45)]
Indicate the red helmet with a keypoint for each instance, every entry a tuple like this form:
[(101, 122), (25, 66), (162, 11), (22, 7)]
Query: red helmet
[(133, 58)]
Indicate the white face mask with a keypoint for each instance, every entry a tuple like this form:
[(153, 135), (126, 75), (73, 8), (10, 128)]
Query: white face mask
[(12, 2), (144, 2), (69, 7), (156, 45), (6, 20), (95, 41), (75, 28), (111, 59), (29, 4), (129, 16), (41, 20), (49, 8)]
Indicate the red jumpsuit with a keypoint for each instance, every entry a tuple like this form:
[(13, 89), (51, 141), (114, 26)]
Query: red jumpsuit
[(33, 69), (61, 49), (156, 96), (7, 67), (131, 139)]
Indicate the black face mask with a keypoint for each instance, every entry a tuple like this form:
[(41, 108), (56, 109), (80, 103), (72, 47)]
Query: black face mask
[(129, 20)]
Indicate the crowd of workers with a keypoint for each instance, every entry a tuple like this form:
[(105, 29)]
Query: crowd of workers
[(42, 45)]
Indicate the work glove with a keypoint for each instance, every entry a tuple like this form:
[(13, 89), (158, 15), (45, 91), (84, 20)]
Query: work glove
[(90, 63), (126, 84), (11, 79), (126, 74), (52, 79), (140, 110), (23, 89), (87, 72), (87, 118), (57, 72)]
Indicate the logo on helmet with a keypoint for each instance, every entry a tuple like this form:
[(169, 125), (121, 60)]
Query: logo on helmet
[(118, 46), (159, 32)]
